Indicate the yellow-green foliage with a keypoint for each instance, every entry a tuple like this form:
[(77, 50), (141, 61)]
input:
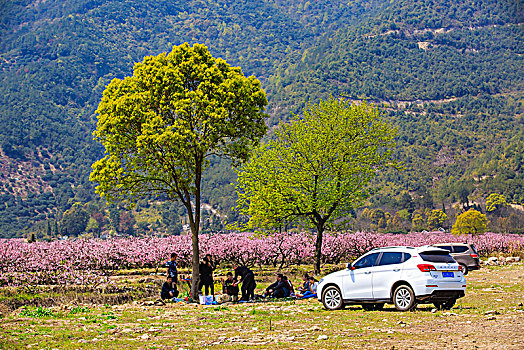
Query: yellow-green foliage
[(159, 125), (318, 166), (495, 201), (471, 222), (436, 218)]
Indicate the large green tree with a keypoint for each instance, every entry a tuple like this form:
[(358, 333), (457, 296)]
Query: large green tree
[(317, 168), (160, 125)]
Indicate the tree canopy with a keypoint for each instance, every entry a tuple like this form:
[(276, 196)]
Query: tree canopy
[(160, 125), (317, 167)]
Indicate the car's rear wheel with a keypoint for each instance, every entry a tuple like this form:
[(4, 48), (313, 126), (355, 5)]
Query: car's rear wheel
[(332, 298), (464, 269), (404, 298), (445, 305)]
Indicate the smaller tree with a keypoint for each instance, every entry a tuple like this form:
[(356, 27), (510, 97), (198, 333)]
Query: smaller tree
[(470, 222), (317, 168)]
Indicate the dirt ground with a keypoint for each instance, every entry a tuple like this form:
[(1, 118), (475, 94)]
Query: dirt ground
[(490, 316)]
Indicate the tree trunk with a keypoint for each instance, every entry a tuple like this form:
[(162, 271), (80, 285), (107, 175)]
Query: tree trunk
[(195, 275), (318, 247), (195, 228)]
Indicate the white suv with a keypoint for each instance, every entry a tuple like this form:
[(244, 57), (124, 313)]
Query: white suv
[(403, 276)]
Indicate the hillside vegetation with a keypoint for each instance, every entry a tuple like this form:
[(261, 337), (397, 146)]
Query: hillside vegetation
[(448, 74)]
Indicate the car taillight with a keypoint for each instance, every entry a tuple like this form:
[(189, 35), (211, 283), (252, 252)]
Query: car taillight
[(474, 256), (426, 267), (460, 268)]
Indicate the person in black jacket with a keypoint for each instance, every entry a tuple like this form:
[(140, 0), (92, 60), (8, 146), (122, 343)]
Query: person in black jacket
[(169, 289), (247, 278), (206, 274), (279, 289)]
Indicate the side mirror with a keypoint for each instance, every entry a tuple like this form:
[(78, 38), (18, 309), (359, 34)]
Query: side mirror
[(350, 267)]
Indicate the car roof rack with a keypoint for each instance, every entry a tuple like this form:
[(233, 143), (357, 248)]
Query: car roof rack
[(393, 247)]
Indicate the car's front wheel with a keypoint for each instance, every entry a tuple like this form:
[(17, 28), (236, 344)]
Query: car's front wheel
[(404, 298), (332, 298)]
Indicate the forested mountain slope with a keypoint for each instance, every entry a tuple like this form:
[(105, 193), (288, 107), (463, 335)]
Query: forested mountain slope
[(450, 75), (56, 57)]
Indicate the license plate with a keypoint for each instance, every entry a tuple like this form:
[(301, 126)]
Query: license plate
[(448, 274)]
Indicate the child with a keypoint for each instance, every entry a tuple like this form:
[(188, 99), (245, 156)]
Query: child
[(171, 266)]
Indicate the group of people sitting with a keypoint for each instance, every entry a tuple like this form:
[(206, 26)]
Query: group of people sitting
[(281, 288)]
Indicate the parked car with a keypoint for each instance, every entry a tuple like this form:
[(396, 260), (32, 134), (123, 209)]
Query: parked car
[(463, 253), (403, 276)]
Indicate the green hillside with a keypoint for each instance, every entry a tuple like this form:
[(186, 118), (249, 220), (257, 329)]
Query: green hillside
[(448, 72)]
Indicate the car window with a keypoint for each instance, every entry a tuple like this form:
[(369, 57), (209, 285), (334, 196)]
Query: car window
[(436, 256), (473, 248), (366, 261), (390, 258), (406, 257), (460, 249), (447, 247)]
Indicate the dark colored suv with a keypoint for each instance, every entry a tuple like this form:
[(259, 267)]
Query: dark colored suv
[(463, 253)]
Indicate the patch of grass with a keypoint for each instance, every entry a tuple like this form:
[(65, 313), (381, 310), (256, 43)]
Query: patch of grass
[(220, 308), (38, 312), (79, 309)]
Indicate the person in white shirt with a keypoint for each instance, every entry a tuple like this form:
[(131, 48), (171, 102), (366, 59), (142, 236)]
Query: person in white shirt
[(312, 292)]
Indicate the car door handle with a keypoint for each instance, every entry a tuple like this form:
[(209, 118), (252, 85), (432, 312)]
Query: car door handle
[(396, 270), (367, 272)]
